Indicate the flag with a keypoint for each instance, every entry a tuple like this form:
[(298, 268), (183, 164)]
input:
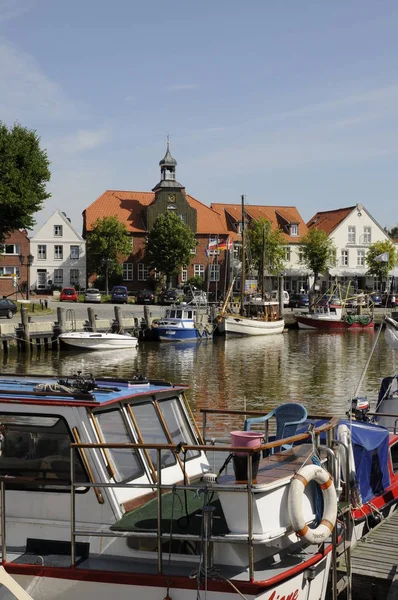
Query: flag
[(227, 245), (212, 245), (385, 257)]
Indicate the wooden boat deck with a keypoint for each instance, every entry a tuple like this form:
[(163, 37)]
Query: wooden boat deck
[(375, 562), (275, 467)]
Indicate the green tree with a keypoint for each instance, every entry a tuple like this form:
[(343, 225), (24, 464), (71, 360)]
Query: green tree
[(318, 252), (381, 268), (169, 245), (393, 232), (24, 172), (267, 248), (108, 243)]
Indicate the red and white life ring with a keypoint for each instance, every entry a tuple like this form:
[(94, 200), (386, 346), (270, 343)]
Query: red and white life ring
[(295, 505)]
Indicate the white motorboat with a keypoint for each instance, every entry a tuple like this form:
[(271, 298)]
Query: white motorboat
[(93, 340)]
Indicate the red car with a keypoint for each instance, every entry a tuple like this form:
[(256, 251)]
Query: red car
[(68, 294)]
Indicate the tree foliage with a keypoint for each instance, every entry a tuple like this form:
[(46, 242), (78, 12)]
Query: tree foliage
[(318, 252), (267, 247), (393, 232), (381, 268), (24, 172), (108, 243), (169, 245)]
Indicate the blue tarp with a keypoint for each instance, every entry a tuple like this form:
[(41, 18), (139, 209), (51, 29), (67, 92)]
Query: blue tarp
[(371, 453)]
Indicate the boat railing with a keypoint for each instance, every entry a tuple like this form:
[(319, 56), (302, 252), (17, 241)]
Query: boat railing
[(159, 488)]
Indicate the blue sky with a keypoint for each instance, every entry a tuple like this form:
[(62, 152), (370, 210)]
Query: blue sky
[(290, 102)]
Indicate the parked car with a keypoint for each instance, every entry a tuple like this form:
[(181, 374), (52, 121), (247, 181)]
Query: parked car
[(92, 295), (168, 297), (8, 308), (68, 294), (297, 300), (145, 297), (376, 299), (275, 295), (390, 300), (328, 299), (119, 294), (355, 301)]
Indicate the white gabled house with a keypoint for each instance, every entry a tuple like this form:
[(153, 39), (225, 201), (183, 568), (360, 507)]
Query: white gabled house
[(352, 230), (59, 255)]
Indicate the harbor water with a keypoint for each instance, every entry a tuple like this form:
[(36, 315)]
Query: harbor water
[(319, 370)]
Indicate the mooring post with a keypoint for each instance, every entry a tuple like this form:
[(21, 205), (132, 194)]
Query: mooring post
[(119, 319), (25, 329), (91, 319)]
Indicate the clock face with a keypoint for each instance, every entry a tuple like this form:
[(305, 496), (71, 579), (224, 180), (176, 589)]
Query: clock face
[(172, 198)]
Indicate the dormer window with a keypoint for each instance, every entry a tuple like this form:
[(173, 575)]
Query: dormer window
[(294, 229)]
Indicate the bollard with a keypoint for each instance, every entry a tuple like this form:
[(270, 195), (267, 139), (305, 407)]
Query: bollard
[(118, 319), (91, 319)]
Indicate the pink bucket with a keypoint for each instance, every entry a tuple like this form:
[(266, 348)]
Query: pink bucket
[(246, 439)]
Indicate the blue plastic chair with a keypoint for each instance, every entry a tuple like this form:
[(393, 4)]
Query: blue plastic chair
[(288, 417)]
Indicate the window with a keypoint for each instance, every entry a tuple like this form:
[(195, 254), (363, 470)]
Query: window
[(142, 272), (344, 258), (127, 271), (74, 276), (10, 249), (37, 447), (360, 258), (184, 274), (125, 461), (41, 251), (152, 432), (300, 255), (58, 276), (177, 424), (199, 271), (57, 230), (9, 271), (287, 253), (367, 235), (394, 457), (58, 252), (74, 252), (351, 235), (183, 218), (294, 229), (214, 271)]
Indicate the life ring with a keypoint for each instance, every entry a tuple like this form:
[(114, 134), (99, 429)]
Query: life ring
[(297, 487)]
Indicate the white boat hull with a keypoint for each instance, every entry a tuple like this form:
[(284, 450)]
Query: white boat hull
[(98, 341), (246, 326), (298, 587)]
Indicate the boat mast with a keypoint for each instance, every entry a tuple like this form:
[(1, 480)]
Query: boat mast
[(243, 274)]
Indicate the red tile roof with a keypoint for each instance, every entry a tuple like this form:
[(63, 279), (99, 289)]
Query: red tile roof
[(330, 219), (279, 216), (127, 207)]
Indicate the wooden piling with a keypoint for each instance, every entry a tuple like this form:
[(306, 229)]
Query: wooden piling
[(91, 319), (119, 319)]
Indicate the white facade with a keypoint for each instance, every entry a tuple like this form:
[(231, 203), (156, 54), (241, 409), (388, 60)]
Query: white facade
[(59, 255), (352, 238)]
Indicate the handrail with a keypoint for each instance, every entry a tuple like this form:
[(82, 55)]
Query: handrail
[(227, 411)]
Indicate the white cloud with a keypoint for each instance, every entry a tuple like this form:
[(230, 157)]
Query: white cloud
[(79, 141), (182, 86), (26, 93)]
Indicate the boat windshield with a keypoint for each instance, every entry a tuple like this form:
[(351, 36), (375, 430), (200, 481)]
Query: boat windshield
[(177, 424), (37, 447), (125, 460)]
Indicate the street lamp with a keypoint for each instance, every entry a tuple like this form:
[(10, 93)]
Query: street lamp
[(28, 264)]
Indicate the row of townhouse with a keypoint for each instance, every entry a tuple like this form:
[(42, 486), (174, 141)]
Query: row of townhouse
[(56, 255)]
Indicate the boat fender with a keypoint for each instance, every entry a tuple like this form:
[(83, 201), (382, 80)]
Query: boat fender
[(155, 324), (296, 492)]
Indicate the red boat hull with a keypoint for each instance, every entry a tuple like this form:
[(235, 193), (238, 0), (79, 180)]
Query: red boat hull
[(314, 322)]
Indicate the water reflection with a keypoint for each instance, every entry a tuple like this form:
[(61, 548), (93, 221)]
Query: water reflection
[(320, 370)]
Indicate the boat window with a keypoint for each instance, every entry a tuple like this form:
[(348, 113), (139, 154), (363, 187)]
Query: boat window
[(152, 432), (171, 314), (125, 460), (394, 457), (37, 448), (179, 314), (177, 424)]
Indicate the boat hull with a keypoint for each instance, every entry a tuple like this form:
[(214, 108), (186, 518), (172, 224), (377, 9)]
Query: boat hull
[(98, 341), (169, 334), (314, 322), (237, 325), (75, 584)]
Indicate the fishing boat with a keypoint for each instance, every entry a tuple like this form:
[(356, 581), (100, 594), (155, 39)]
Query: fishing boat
[(331, 317), (92, 340), (253, 316), (107, 490), (183, 323)]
